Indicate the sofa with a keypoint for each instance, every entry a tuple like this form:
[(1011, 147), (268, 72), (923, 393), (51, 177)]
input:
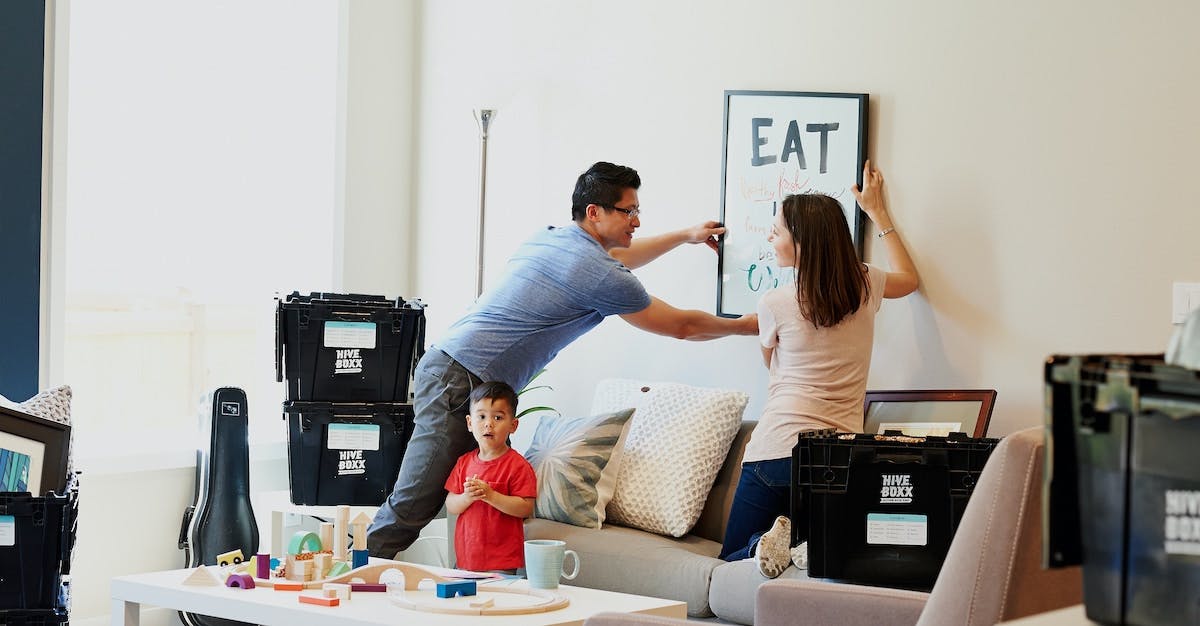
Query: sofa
[(617, 558), (992, 572)]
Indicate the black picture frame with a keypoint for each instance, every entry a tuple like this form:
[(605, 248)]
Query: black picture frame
[(55, 439), (745, 262), (980, 420)]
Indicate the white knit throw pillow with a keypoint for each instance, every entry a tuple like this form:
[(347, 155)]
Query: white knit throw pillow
[(677, 443)]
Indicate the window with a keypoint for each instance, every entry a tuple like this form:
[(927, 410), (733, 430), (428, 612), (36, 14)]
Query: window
[(201, 165)]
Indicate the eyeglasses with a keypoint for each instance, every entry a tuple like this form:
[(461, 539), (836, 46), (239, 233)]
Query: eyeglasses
[(629, 213)]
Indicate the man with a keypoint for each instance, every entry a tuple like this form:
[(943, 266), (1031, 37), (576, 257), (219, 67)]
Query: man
[(558, 285)]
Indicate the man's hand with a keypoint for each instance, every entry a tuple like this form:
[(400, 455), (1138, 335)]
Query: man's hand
[(749, 324), (705, 233)]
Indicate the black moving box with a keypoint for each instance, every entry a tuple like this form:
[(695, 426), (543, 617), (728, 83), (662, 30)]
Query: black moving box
[(342, 453), (36, 538), (1126, 434), (883, 509), (347, 347)]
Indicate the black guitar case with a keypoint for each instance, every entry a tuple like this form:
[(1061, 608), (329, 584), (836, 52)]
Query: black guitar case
[(221, 518)]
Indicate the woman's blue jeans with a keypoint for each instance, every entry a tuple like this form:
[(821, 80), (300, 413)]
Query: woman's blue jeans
[(763, 493)]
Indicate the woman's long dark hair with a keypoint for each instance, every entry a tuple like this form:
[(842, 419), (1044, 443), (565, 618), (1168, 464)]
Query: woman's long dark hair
[(830, 280)]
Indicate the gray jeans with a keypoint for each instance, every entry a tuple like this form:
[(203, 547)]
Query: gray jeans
[(442, 392)]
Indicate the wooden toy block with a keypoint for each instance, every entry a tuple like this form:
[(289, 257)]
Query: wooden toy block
[(202, 577), (299, 570), (289, 586), (456, 588), (262, 566), (340, 523), (240, 581), (303, 541), (318, 600), (368, 587), (337, 569), (233, 557), (340, 591), (325, 532), (359, 526), (481, 603), (360, 558), (321, 564)]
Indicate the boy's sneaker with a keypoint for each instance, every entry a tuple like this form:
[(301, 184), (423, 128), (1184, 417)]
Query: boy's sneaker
[(800, 555), (771, 554)]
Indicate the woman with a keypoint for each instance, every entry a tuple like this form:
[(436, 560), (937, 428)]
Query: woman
[(816, 344)]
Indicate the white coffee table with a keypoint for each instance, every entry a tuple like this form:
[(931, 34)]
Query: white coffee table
[(267, 606)]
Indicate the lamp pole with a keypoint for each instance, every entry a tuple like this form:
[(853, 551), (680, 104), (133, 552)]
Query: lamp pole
[(484, 117)]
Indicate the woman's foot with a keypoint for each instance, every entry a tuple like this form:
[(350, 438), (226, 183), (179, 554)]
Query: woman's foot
[(771, 553)]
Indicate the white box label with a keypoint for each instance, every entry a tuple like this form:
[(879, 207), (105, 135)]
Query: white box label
[(8, 530), (349, 335), (897, 529), (353, 437)]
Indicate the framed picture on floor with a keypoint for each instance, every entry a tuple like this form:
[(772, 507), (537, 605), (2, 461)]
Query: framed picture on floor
[(779, 143), (33, 453)]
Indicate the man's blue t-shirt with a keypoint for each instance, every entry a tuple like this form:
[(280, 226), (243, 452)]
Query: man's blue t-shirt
[(559, 285)]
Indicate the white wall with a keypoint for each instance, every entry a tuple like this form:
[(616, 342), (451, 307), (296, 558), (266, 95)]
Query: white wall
[(1035, 153), (378, 48), (130, 520)]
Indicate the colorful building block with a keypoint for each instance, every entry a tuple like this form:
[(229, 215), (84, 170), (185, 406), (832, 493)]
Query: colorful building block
[(318, 600), (282, 586), (367, 587), (233, 557), (240, 581), (262, 566), (456, 588), (360, 558)]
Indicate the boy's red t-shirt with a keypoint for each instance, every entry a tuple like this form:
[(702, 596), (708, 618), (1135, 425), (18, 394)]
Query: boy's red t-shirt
[(486, 538)]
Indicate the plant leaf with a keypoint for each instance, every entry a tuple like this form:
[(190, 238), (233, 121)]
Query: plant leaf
[(533, 388), (535, 409)]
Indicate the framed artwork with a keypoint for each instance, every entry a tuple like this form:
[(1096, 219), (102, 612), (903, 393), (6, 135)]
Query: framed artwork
[(33, 453), (779, 143), (929, 412)]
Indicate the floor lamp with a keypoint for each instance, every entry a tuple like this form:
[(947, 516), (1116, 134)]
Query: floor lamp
[(484, 117)]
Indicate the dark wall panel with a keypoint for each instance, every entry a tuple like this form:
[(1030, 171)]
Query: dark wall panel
[(22, 54)]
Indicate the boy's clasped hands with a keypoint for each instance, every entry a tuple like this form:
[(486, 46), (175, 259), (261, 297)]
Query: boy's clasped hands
[(477, 489)]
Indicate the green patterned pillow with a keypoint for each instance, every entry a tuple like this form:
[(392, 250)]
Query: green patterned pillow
[(576, 461)]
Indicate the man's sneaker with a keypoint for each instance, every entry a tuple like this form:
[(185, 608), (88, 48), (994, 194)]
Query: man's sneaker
[(771, 554), (800, 555)]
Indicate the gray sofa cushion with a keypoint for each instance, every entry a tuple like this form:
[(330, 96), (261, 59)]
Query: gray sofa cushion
[(626, 560), (731, 592)]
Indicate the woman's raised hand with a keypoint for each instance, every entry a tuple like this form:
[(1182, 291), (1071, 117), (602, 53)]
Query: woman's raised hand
[(870, 198)]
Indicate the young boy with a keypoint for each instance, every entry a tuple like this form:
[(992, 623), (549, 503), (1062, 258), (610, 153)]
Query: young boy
[(492, 489)]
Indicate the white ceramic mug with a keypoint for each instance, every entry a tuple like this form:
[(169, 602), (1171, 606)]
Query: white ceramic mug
[(544, 562)]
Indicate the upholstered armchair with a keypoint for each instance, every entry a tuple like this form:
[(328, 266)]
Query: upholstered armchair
[(992, 573)]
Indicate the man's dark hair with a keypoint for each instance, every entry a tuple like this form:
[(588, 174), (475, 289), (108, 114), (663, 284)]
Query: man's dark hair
[(495, 390), (603, 184)]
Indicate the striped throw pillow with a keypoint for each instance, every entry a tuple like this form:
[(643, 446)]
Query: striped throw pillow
[(576, 461)]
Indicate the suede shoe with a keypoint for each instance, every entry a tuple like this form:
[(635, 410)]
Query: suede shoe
[(772, 554)]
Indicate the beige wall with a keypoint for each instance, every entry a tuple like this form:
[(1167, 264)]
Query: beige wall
[(1037, 155)]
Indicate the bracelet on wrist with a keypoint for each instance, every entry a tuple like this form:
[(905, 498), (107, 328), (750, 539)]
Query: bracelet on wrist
[(885, 232)]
